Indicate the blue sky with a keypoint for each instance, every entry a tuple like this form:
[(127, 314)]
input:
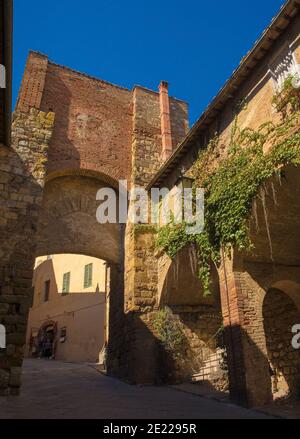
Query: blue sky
[(193, 44)]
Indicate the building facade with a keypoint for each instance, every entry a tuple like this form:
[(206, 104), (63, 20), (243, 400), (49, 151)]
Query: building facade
[(258, 290), (69, 306)]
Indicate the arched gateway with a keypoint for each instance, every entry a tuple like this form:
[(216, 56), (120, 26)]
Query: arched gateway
[(73, 135)]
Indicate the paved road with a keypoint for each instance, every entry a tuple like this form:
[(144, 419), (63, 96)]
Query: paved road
[(70, 391)]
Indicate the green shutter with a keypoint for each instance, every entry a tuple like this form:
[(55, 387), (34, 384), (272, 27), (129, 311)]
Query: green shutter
[(88, 276), (66, 283), (91, 275)]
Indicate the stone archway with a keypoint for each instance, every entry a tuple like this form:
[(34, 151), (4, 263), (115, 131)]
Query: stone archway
[(280, 315), (67, 224), (199, 317)]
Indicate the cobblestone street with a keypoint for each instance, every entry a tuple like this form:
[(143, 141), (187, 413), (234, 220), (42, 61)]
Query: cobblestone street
[(74, 391)]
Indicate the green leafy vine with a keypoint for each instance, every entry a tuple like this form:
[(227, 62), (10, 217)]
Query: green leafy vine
[(169, 331)]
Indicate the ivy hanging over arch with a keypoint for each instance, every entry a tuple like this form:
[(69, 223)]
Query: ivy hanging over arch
[(230, 189)]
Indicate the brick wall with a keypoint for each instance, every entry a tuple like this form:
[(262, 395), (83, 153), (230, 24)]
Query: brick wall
[(280, 315)]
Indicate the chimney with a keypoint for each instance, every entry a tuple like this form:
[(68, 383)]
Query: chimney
[(167, 147)]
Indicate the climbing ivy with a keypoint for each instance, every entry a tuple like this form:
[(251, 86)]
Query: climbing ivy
[(288, 96), (168, 331), (231, 188)]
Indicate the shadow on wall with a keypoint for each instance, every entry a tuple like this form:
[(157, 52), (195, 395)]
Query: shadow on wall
[(164, 347), (20, 199), (142, 359), (280, 315), (199, 316), (271, 364), (249, 372), (263, 360)]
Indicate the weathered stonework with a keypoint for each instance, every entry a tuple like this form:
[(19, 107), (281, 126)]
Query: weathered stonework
[(102, 133), (280, 315), (22, 173)]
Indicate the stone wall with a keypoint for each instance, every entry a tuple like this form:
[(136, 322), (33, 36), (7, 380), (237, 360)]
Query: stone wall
[(280, 315), (140, 260), (22, 171), (68, 224), (201, 328), (141, 263)]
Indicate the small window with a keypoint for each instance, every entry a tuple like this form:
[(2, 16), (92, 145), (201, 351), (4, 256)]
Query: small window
[(46, 291), (88, 276), (66, 283)]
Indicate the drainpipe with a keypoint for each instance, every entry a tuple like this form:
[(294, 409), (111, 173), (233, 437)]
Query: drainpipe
[(166, 133)]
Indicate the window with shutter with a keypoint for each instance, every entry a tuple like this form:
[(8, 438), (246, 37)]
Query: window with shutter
[(66, 283), (46, 291), (88, 276)]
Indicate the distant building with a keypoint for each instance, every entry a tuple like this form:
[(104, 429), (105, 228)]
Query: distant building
[(67, 319)]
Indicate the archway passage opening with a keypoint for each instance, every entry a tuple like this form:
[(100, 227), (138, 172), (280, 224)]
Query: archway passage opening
[(78, 285), (275, 221), (202, 357), (271, 286), (280, 315), (67, 321)]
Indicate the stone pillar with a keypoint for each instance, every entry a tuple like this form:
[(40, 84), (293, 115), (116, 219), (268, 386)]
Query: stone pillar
[(249, 377), (132, 348), (141, 298), (140, 348), (140, 263), (33, 82), (22, 172)]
